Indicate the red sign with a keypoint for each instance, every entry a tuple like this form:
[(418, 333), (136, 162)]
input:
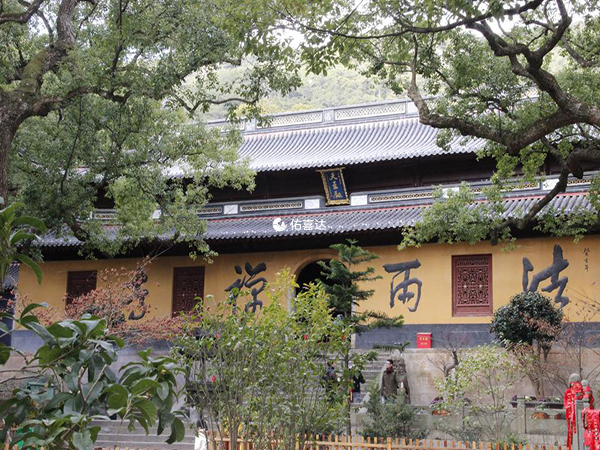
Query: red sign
[(423, 340)]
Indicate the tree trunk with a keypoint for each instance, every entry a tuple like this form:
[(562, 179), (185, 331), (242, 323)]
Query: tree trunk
[(10, 118), (6, 137)]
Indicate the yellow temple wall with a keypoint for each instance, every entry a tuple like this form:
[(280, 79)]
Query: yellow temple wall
[(435, 274)]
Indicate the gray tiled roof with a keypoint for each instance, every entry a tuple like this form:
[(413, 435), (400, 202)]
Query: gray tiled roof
[(336, 145), (12, 276), (359, 219), (342, 220)]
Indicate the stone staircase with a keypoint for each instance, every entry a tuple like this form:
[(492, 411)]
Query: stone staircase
[(115, 434)]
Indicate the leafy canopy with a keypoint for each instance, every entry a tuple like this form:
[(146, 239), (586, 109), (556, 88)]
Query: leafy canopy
[(99, 102), (529, 318), (520, 75)]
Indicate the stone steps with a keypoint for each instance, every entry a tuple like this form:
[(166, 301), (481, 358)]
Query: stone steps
[(115, 434)]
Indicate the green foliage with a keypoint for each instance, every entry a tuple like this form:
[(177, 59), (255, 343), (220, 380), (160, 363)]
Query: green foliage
[(75, 361), (116, 110), (514, 75), (74, 364), (15, 231), (480, 384), (457, 216), (341, 86), (342, 277), (261, 376), (343, 283), (529, 318), (392, 419)]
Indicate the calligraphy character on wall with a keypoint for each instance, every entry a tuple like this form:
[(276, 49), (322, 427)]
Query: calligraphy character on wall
[(250, 282), (401, 289), (138, 294), (553, 271)]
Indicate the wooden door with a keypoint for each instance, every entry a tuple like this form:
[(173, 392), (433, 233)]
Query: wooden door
[(188, 284)]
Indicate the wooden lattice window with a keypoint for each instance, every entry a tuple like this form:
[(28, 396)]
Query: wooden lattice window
[(472, 285), (80, 283), (188, 285)]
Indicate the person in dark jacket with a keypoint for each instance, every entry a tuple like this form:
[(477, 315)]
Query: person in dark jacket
[(394, 378), (389, 381), (330, 380), (357, 380)]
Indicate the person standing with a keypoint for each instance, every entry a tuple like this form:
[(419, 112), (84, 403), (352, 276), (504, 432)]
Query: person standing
[(357, 380), (389, 382), (330, 380)]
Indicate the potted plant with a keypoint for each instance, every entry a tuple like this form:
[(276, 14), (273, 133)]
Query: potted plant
[(437, 407)]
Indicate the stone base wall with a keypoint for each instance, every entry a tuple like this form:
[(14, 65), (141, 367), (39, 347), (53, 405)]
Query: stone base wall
[(423, 367), (456, 335)]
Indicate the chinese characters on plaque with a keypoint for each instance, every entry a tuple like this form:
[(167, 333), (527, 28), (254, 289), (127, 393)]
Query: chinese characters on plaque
[(335, 188)]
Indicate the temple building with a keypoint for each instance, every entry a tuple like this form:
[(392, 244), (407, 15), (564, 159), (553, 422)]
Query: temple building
[(363, 172)]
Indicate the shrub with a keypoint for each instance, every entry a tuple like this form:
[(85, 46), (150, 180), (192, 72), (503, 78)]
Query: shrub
[(393, 419), (530, 318), (528, 326)]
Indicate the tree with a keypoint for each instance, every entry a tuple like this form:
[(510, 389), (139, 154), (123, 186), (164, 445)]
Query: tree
[(73, 364), (344, 292), (529, 324), (94, 100), (343, 284), (121, 301), (261, 377), (521, 75), (480, 383)]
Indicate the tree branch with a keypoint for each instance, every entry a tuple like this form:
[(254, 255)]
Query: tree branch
[(23, 17), (408, 28)]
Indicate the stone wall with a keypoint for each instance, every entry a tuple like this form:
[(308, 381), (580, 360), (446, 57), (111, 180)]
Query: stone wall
[(423, 370)]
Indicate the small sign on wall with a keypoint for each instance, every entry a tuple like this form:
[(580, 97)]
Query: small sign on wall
[(335, 187), (423, 340)]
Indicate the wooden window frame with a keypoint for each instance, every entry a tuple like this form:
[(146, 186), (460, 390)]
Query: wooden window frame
[(72, 274), (179, 270), (474, 311)]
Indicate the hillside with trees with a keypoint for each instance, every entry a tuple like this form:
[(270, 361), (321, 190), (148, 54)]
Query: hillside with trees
[(341, 86)]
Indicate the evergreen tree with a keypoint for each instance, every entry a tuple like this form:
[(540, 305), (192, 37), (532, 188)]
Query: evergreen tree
[(343, 283)]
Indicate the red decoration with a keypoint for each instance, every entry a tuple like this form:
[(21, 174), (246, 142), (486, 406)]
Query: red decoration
[(305, 337), (213, 379), (423, 340), (589, 396), (591, 424), (575, 392)]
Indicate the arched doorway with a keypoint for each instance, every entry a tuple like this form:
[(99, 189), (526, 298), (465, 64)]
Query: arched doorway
[(309, 274)]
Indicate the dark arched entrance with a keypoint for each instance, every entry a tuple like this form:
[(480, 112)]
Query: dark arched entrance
[(309, 274)]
